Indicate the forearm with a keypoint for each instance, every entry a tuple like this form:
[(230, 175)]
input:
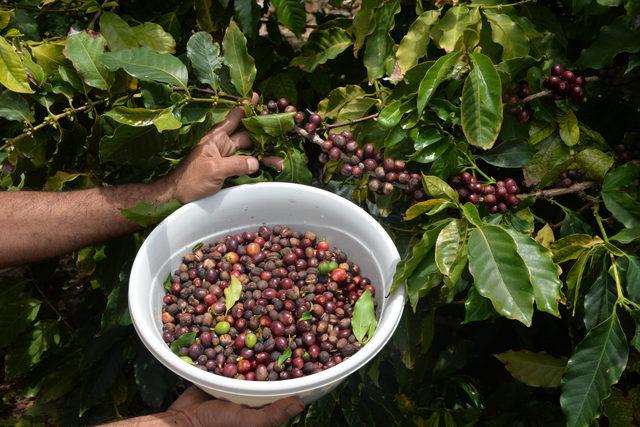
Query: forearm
[(38, 225), (162, 419)]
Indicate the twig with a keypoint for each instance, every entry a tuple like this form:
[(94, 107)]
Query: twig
[(351, 122), (267, 21), (544, 93), (318, 141), (96, 15), (553, 192)]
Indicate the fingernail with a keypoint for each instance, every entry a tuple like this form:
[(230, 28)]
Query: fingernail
[(294, 408), (252, 164)]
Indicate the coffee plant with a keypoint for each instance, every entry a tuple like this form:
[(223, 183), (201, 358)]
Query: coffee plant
[(496, 141)]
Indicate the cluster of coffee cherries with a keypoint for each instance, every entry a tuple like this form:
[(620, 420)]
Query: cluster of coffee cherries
[(384, 171), (570, 177), (516, 93), (293, 315), (565, 83), (627, 152), (282, 106), (497, 198)]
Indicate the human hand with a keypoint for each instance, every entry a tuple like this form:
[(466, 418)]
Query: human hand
[(202, 411), (212, 160)]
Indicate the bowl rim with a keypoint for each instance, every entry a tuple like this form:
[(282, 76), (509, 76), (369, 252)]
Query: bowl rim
[(393, 309)]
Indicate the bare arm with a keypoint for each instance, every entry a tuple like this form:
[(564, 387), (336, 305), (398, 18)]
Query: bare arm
[(37, 225)]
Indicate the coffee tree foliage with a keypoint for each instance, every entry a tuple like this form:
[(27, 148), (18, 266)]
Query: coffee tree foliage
[(522, 318)]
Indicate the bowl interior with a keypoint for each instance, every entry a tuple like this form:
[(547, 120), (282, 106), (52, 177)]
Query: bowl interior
[(243, 208)]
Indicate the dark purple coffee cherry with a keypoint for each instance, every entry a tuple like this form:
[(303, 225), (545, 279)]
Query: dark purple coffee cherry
[(524, 116), (310, 127), (334, 153), (568, 76), (299, 117), (315, 119), (282, 103), (346, 169), (557, 70)]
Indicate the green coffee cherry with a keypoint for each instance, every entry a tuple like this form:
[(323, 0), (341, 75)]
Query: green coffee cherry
[(250, 340), (222, 327), (187, 359)]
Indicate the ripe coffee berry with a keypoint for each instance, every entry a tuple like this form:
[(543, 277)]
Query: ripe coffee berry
[(565, 83), (298, 297), (494, 197)]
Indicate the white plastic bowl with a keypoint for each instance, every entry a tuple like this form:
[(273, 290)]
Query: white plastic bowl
[(246, 207)]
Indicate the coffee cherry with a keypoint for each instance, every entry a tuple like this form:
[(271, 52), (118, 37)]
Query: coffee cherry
[(282, 103), (299, 117), (557, 70), (290, 109), (370, 164), (315, 119), (563, 87), (272, 105), (334, 153), (474, 198), (389, 164), (580, 81), (387, 188), (347, 135), (356, 171), (310, 127), (346, 169), (490, 200), (577, 93), (368, 150), (502, 208), (339, 141), (568, 76), (524, 116), (374, 184)]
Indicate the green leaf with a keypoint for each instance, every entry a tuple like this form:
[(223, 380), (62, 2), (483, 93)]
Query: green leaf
[(619, 408), (153, 36), (363, 22), (378, 52), (271, 124), (424, 278), (448, 32), (116, 313), (435, 75), (184, 340), (633, 278), (147, 65), (248, 14), (391, 114), (232, 292), (118, 33), (161, 119), (291, 14), (27, 351), (569, 129), (549, 161), (135, 145), (595, 162), (15, 107), (59, 179), (627, 235), (470, 212), (624, 207), (449, 245), (481, 107), (534, 369), (146, 214), (15, 317), (419, 208), (508, 34), (621, 35), (153, 380), (574, 223), (599, 301), (571, 247), (363, 322), (12, 73), (438, 188), (477, 308), (413, 45), (322, 45), (500, 273), (84, 50), (306, 316), (49, 56), (509, 155), (595, 365), (294, 168), (543, 274), (204, 55), (242, 68), (284, 356)]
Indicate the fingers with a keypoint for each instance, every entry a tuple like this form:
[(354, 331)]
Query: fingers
[(241, 140), (191, 396), (274, 162), (231, 122), (279, 412), (255, 98), (238, 165)]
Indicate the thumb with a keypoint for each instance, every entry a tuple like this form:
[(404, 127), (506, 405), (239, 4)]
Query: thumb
[(238, 165)]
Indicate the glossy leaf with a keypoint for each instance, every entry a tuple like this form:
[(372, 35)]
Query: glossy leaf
[(438, 188), (434, 76), (12, 73), (145, 64), (627, 235), (59, 179), (571, 247), (232, 292), (449, 31), (363, 322), (153, 380), (615, 194), (146, 214), (162, 119), (595, 163), (599, 301), (84, 51), (621, 35), (242, 68), (595, 365), (482, 103), (291, 14), (184, 340), (29, 347), (507, 33), (378, 52), (449, 244), (14, 107), (16, 316), (153, 36), (569, 130), (633, 278), (544, 275), (322, 45), (419, 208), (534, 369), (116, 312), (509, 155), (413, 45), (271, 124), (477, 307), (500, 273), (204, 55), (363, 22), (49, 55), (248, 15), (295, 169), (118, 33)]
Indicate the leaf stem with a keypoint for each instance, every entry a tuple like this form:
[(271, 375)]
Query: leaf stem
[(616, 277), (351, 122), (553, 192), (50, 304), (500, 6), (598, 218)]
